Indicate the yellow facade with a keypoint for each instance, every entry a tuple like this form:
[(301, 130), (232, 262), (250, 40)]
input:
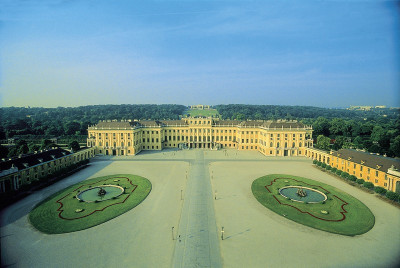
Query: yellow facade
[(381, 171), (283, 138), (17, 175)]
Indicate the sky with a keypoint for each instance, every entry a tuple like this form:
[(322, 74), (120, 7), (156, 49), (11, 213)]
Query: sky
[(86, 52)]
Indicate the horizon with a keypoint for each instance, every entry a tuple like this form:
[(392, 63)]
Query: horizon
[(327, 54), (212, 106)]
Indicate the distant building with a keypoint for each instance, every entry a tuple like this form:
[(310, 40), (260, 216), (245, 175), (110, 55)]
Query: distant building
[(381, 171), (200, 107), (22, 170), (360, 108), (275, 138)]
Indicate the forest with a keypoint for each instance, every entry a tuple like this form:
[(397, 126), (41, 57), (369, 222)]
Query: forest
[(376, 130)]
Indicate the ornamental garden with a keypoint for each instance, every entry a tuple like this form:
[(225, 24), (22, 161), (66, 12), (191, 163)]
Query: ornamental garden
[(314, 204), (89, 203), (308, 202)]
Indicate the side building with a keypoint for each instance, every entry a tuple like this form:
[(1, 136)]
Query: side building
[(380, 170), (275, 138), (26, 169)]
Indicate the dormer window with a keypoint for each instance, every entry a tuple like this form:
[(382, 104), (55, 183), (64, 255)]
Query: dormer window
[(40, 160), (53, 156), (26, 165)]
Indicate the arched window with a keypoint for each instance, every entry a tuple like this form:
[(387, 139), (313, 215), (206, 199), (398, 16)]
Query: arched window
[(293, 145), (277, 145), (285, 144)]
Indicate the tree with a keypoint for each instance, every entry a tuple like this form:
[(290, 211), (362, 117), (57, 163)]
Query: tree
[(45, 144), (33, 147), (337, 126), (23, 149), (323, 142), (72, 127), (321, 126), (74, 146), (3, 151), (358, 142), (395, 146)]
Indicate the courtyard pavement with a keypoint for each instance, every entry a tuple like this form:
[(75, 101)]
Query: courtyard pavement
[(197, 192)]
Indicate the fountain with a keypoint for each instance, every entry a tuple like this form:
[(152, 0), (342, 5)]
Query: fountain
[(100, 193), (302, 194)]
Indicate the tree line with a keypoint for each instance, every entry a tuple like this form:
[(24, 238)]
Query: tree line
[(376, 130)]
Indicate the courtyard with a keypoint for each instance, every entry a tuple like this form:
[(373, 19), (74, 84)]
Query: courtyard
[(194, 194)]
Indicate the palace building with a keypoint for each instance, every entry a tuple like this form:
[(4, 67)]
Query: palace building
[(129, 137), (380, 170), (29, 168)]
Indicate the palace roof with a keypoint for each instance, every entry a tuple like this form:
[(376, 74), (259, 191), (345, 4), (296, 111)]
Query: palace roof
[(219, 123), (29, 160), (368, 159)]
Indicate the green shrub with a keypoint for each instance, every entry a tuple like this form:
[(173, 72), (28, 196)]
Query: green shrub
[(392, 196), (380, 190), (323, 165), (352, 178), (334, 170), (319, 163), (368, 185), (345, 175), (315, 161), (339, 172), (328, 167), (360, 181)]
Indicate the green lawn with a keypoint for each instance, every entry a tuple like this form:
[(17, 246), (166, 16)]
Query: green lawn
[(58, 213), (346, 214), (207, 113)]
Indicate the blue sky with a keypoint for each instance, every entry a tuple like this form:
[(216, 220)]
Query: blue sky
[(318, 53)]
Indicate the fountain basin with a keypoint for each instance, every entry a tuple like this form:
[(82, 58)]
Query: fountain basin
[(91, 195), (313, 196)]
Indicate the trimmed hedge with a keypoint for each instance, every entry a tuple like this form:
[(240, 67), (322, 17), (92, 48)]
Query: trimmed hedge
[(339, 172), (368, 185), (392, 196), (334, 170), (315, 161), (380, 190), (323, 165), (352, 178), (328, 167), (360, 181)]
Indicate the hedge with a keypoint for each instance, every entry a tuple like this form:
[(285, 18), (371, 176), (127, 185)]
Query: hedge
[(392, 196), (360, 181), (352, 178), (380, 190), (328, 167), (323, 165), (368, 185)]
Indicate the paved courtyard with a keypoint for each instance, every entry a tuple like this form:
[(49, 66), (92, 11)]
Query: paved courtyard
[(197, 192)]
